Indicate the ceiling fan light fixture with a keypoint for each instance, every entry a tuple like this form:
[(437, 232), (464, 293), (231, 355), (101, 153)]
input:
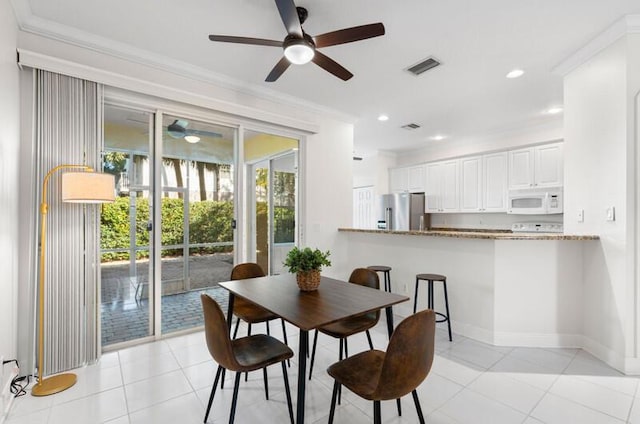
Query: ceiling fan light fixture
[(192, 139), (298, 51)]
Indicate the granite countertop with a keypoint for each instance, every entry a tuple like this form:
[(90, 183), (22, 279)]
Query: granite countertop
[(477, 234)]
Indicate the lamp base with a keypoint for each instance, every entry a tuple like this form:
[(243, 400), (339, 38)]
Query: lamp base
[(54, 384)]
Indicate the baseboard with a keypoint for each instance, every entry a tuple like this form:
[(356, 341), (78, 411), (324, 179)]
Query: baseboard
[(629, 366), (473, 332), (552, 340)]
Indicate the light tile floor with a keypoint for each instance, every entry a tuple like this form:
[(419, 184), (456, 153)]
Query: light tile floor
[(169, 381)]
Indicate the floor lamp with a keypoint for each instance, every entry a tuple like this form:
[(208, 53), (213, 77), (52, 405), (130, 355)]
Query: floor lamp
[(77, 187)]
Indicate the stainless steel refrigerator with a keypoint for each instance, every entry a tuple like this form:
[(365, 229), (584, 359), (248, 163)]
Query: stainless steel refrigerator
[(401, 211)]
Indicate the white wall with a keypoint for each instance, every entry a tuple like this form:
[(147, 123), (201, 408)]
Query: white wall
[(600, 163), (9, 152)]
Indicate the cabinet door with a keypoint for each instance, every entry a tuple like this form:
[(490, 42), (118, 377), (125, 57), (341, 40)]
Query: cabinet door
[(470, 184), (398, 180), (521, 168), (494, 182), (416, 179), (548, 165), (450, 200), (432, 192)]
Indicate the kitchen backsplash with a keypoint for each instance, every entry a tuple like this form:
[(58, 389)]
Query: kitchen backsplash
[(489, 221)]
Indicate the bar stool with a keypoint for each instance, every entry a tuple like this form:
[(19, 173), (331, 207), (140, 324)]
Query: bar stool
[(386, 272), (430, 278)]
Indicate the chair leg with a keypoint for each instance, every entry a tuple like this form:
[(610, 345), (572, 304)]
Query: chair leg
[(284, 336), (377, 418), (341, 348), (287, 390), (399, 405), (446, 305), (213, 393), (346, 349), (234, 401), (268, 332), (235, 331), (266, 383), (224, 373), (369, 339), (336, 386), (418, 409), (246, 374), (313, 353), (415, 297)]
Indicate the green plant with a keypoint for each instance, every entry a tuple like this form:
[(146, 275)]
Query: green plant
[(306, 259)]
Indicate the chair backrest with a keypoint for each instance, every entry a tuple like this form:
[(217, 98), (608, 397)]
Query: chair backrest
[(217, 334), (368, 278), (246, 270), (409, 356)]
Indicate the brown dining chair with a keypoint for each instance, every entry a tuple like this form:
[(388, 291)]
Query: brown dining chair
[(241, 355), (376, 375), (248, 311), (350, 326)]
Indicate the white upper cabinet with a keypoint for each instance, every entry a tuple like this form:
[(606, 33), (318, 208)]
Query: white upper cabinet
[(471, 184), (483, 183), (398, 180), (416, 178), (549, 166), (539, 166), (441, 191), (407, 179), (494, 182)]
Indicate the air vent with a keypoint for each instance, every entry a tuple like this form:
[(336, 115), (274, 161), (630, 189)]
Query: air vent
[(411, 126), (424, 66)]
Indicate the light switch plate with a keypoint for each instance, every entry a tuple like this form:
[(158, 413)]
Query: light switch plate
[(580, 215), (611, 213)]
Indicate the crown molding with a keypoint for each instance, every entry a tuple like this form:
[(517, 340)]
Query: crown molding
[(629, 24), (72, 36)]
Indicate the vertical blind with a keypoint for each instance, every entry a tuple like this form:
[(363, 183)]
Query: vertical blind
[(68, 128)]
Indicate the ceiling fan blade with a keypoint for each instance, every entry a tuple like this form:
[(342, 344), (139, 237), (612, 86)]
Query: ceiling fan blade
[(331, 66), (245, 40), (204, 133), (349, 35), (289, 15), (278, 70)]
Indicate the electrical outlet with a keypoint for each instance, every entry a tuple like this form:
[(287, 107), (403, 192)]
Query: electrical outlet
[(405, 288), (580, 215)]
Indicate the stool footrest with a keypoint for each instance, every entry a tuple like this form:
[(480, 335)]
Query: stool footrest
[(444, 317)]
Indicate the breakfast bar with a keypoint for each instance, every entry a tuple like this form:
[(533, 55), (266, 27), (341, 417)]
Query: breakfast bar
[(515, 289)]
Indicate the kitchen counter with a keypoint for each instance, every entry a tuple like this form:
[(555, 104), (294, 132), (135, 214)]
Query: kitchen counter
[(477, 234)]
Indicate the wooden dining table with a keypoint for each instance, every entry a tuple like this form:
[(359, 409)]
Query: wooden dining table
[(333, 301)]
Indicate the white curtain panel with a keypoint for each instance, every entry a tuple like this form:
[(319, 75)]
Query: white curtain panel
[(68, 129)]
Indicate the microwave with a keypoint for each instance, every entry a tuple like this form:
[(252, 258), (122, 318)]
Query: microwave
[(536, 201)]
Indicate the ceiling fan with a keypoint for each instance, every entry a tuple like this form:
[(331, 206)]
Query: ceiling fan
[(300, 48), (178, 129)]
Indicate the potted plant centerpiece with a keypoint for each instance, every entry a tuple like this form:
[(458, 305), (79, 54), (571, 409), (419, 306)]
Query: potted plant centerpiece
[(307, 263)]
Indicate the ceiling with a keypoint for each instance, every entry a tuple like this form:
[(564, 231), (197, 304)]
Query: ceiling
[(466, 98)]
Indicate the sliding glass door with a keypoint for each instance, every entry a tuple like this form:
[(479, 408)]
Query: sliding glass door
[(197, 204), (171, 233)]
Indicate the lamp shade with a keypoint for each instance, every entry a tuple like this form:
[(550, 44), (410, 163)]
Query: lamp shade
[(87, 187)]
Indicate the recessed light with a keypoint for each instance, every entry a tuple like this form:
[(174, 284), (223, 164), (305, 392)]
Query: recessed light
[(192, 138), (383, 118), (516, 73), (554, 110), (437, 137)]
